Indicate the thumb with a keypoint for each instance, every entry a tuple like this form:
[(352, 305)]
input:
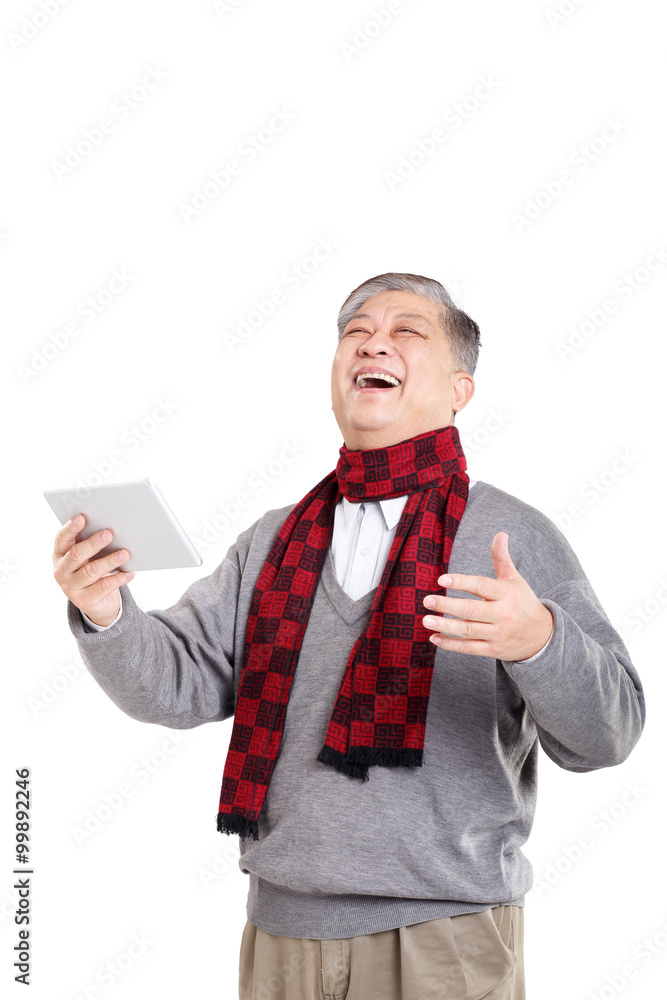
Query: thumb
[(502, 561)]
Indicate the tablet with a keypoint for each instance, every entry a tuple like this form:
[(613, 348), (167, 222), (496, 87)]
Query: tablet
[(139, 517)]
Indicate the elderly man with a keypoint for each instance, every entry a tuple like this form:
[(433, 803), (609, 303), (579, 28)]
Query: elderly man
[(393, 648)]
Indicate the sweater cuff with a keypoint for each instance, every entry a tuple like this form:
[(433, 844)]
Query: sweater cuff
[(92, 633), (542, 664)]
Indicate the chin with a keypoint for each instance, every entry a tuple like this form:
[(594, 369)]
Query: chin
[(376, 436)]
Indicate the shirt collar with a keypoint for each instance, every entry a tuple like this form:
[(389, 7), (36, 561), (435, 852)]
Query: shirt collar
[(391, 510)]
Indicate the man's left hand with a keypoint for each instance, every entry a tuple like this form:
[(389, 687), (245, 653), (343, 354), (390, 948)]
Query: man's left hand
[(509, 623)]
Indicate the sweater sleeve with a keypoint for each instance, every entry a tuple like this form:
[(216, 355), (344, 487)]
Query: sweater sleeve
[(173, 667), (583, 691)]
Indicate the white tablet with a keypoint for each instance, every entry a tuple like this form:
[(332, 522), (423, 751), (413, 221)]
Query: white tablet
[(139, 517)]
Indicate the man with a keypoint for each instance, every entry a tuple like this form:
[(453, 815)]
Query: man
[(383, 789)]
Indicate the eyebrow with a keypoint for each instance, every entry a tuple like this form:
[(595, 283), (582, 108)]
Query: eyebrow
[(402, 315)]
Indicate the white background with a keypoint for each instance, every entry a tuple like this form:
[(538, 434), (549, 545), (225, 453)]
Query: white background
[(556, 427)]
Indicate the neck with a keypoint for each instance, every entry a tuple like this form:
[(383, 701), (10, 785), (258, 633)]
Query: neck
[(385, 438)]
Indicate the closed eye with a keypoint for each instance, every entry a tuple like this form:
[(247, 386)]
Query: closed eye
[(403, 329)]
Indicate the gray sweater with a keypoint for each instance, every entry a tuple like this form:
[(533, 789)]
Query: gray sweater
[(337, 857)]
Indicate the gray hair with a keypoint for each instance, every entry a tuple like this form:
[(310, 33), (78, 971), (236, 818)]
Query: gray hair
[(461, 331)]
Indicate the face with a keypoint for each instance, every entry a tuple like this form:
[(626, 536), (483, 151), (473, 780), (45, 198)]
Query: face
[(397, 337)]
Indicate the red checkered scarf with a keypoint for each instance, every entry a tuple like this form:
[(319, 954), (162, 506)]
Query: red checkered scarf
[(392, 658)]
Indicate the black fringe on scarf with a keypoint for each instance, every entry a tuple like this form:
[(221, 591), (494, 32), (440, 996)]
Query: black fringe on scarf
[(237, 823), (354, 764), (357, 762)]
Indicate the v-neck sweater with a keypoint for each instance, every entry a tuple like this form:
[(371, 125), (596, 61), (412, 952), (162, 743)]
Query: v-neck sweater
[(337, 857)]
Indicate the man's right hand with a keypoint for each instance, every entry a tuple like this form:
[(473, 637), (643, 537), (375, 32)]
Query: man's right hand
[(90, 584)]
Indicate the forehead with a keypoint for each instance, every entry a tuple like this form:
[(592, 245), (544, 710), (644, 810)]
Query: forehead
[(395, 304)]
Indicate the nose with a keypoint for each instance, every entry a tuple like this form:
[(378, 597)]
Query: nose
[(378, 343)]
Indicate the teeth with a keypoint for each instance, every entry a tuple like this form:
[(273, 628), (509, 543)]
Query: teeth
[(361, 378)]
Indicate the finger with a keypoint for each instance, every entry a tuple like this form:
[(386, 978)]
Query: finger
[(96, 569), (110, 582), (473, 647), (501, 559), (100, 589), (67, 534), (85, 550), (483, 586), (461, 607), (459, 628)]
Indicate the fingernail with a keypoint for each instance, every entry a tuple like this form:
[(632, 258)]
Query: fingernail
[(445, 581), (76, 521), (430, 622), (429, 602)]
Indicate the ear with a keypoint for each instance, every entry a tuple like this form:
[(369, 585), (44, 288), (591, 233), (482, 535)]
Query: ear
[(463, 389)]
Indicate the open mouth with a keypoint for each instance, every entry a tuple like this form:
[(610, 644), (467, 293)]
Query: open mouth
[(376, 380)]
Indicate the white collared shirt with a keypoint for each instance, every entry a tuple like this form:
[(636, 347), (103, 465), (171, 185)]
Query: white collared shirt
[(361, 540)]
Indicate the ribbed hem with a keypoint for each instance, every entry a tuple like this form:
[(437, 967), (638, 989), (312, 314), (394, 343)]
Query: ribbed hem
[(282, 911)]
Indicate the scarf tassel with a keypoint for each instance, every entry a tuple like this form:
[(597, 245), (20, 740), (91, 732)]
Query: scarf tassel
[(356, 762), (236, 823)]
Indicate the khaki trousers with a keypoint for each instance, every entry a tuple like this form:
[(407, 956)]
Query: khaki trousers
[(466, 957)]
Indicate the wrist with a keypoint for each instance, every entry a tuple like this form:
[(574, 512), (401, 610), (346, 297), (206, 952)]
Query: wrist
[(102, 624), (544, 636)]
